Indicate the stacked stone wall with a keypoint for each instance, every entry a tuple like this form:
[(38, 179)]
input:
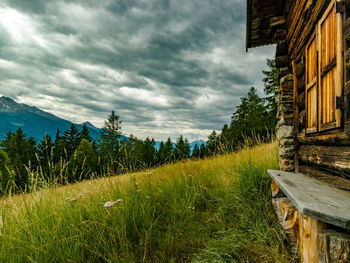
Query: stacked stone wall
[(284, 129)]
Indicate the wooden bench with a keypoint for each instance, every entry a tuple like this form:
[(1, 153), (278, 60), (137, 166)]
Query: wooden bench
[(312, 212), (314, 198)]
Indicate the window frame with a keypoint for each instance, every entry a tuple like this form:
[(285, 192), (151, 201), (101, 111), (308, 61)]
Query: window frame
[(336, 64)]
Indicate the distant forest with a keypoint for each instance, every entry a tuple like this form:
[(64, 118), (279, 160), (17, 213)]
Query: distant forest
[(72, 155)]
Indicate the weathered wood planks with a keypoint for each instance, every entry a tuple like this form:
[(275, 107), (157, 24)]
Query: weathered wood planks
[(331, 158), (315, 199)]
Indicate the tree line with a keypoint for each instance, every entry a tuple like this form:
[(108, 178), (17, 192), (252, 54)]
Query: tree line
[(74, 156)]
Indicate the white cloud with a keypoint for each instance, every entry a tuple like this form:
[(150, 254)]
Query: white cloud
[(146, 96)]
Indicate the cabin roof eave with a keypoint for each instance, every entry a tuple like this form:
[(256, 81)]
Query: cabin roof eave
[(259, 13)]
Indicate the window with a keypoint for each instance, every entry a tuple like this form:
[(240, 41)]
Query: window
[(324, 73)]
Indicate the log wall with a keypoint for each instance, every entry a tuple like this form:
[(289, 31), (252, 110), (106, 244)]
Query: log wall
[(325, 150), (322, 154)]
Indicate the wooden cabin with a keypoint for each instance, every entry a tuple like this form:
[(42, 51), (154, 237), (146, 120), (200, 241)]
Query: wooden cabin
[(311, 191)]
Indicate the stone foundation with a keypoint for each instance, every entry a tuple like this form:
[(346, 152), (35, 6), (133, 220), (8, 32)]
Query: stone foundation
[(285, 131)]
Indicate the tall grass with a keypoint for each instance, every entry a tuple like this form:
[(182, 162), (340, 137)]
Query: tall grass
[(212, 210)]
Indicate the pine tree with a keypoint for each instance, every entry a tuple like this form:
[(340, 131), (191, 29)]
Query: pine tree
[(59, 148), (168, 151), (212, 143), (271, 83), (72, 139), (160, 154), (138, 152), (182, 149), (5, 178), (21, 152), (149, 152), (45, 153), (83, 162), (225, 138), (94, 146), (110, 142), (110, 135), (250, 118), (203, 151), (196, 152), (85, 134)]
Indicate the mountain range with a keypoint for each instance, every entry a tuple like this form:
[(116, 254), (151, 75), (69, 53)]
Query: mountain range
[(36, 122)]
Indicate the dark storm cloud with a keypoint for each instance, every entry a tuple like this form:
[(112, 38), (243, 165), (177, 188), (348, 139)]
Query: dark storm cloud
[(32, 6), (167, 67)]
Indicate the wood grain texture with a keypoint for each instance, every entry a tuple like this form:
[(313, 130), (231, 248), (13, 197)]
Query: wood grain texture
[(315, 199), (331, 137), (326, 177), (332, 158), (309, 17), (309, 229)]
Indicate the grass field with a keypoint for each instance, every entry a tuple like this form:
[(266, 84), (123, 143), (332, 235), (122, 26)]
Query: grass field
[(213, 210)]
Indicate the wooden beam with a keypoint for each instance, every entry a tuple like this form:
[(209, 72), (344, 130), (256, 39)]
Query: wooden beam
[(282, 61), (331, 137), (332, 158), (281, 49), (275, 190), (326, 177), (277, 21), (301, 84), (302, 120), (301, 101), (299, 69), (279, 35), (309, 229)]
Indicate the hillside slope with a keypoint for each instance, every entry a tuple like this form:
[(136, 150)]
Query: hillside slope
[(214, 210)]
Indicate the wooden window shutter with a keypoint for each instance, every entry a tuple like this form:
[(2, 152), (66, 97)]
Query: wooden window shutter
[(311, 86), (330, 68)]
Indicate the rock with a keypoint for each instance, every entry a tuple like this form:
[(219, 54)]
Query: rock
[(286, 142), (287, 152), (285, 131), (286, 164)]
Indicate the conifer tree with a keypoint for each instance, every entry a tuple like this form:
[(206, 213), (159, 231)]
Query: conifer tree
[(110, 135), (271, 85), (149, 152), (21, 152), (45, 153), (94, 146), (83, 162), (5, 169), (85, 134), (72, 139), (59, 148), (212, 143), (203, 152), (160, 154), (196, 152), (168, 150), (250, 118), (182, 149)]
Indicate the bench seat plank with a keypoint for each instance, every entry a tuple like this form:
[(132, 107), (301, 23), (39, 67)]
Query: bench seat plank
[(314, 198)]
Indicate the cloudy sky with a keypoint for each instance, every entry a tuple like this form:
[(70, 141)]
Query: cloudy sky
[(167, 67)]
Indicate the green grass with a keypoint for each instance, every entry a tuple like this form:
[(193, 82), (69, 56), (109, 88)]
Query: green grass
[(213, 210)]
